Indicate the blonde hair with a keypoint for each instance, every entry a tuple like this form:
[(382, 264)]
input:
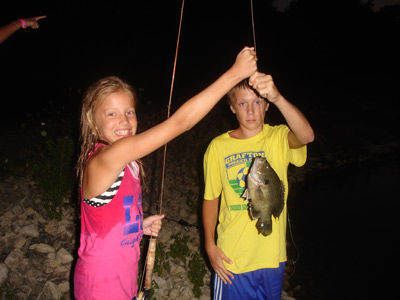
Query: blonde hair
[(95, 94), (244, 84), (231, 94)]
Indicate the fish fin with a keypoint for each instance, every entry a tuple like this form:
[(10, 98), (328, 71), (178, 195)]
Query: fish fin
[(281, 202), (254, 213), (246, 194)]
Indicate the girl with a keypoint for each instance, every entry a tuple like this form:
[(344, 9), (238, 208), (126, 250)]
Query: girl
[(112, 223)]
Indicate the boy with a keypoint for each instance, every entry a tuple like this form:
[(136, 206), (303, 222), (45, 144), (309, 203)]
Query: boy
[(252, 264)]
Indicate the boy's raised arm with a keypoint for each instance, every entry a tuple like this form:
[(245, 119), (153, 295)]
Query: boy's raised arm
[(301, 131)]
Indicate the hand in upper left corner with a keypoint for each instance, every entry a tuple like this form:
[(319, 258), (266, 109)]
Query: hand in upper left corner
[(33, 22), (152, 225)]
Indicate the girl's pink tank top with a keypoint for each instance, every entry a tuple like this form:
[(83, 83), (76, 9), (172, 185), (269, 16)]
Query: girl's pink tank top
[(109, 250)]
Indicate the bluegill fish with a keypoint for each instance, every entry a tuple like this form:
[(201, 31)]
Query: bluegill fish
[(265, 192)]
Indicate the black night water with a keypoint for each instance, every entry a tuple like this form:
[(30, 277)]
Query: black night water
[(345, 227)]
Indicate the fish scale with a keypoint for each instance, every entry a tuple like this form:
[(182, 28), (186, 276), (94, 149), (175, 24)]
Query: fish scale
[(265, 193)]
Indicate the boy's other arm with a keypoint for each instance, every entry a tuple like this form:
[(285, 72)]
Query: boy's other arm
[(216, 256), (301, 131)]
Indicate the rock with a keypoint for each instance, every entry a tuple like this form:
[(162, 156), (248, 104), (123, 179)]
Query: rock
[(176, 270), (5, 222), (17, 210), (30, 211), (165, 233), (47, 269), (23, 293), (42, 248), (174, 294), (15, 278), (14, 258), (54, 262), (63, 269), (64, 256), (51, 227), (50, 292), (9, 235), (163, 287), (9, 215), (35, 277), (19, 243), (186, 293), (3, 273), (64, 287), (29, 230)]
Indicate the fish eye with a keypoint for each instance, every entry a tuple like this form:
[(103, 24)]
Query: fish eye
[(266, 181)]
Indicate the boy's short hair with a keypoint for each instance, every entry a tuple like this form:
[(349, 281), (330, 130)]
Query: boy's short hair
[(244, 84)]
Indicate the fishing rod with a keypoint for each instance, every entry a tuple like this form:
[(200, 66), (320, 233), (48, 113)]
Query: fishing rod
[(151, 251)]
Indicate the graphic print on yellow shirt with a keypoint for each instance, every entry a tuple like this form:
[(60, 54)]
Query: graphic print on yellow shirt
[(237, 167)]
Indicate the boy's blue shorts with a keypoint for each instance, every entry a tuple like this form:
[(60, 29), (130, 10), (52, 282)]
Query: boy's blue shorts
[(263, 284)]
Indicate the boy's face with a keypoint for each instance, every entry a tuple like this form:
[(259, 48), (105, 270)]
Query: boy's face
[(249, 109)]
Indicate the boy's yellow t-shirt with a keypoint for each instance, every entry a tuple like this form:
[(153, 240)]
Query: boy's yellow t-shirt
[(226, 163)]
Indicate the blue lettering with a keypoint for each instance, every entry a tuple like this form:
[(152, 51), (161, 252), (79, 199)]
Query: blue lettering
[(140, 216), (137, 224), (131, 241)]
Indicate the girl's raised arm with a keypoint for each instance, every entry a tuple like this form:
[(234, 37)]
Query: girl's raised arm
[(188, 115), (106, 165)]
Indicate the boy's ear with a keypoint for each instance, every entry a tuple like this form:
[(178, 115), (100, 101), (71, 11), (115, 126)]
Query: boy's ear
[(267, 106), (232, 109)]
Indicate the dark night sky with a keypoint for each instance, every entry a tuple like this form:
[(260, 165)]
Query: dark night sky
[(81, 41), (322, 50)]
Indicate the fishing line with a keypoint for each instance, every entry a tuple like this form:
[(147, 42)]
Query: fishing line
[(182, 222), (161, 188), (294, 245), (252, 22), (288, 218)]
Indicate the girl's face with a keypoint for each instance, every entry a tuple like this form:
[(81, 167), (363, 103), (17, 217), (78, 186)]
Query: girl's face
[(115, 118)]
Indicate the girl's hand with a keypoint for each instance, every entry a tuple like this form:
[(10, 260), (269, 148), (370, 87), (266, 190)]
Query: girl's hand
[(246, 63), (152, 225)]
